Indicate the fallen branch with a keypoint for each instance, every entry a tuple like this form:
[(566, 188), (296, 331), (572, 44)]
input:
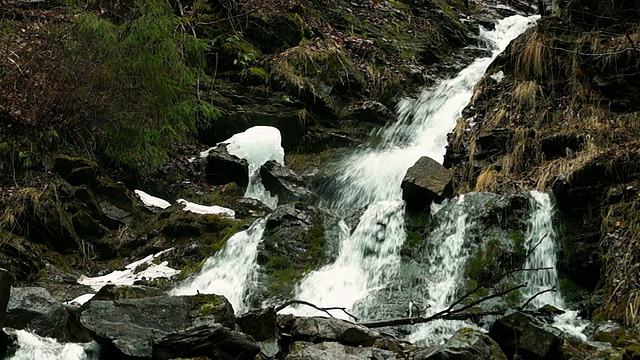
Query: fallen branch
[(323, 309), (449, 313), (535, 296)]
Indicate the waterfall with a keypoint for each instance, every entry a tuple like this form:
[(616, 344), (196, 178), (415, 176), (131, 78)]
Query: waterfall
[(367, 260), (31, 346), (230, 271), (541, 245), (372, 177), (540, 242)]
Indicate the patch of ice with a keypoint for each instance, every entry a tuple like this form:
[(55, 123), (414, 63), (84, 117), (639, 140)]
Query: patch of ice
[(149, 200), (129, 275), (257, 145), (204, 154), (80, 300), (498, 76), (203, 209), (32, 346)]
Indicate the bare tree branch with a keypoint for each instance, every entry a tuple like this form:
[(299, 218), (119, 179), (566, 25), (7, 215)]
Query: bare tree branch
[(323, 309), (535, 296)]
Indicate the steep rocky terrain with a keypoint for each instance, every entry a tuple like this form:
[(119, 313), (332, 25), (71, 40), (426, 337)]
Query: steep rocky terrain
[(100, 98), (558, 110)]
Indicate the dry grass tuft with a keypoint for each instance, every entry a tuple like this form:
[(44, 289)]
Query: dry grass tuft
[(533, 57), (487, 181), (526, 94)]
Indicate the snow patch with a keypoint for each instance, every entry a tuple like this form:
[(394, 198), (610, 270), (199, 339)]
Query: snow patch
[(130, 274), (498, 76), (80, 300), (153, 201), (203, 209)]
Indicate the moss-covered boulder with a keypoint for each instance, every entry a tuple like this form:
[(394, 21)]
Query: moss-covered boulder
[(75, 170), (131, 327), (293, 244), (465, 344)]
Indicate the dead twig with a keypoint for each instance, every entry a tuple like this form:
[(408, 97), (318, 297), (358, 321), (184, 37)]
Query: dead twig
[(323, 309)]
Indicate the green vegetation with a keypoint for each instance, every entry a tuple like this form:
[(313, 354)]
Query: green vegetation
[(146, 67)]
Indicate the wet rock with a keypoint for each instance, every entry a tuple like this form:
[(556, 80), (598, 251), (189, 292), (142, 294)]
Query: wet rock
[(335, 351), (283, 182), (518, 333), (211, 341), (5, 290), (116, 292), (371, 111), (425, 182), (132, 326), (7, 341), (33, 308), (491, 145), (318, 329), (75, 170), (223, 168), (261, 325), (20, 256), (294, 242), (176, 222), (464, 344), (243, 108)]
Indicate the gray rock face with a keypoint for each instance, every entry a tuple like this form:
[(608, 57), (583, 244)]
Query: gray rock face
[(336, 351), (316, 329), (425, 182), (517, 333), (5, 290), (35, 309), (224, 168), (372, 111), (132, 326), (212, 341), (261, 325), (283, 182), (465, 344)]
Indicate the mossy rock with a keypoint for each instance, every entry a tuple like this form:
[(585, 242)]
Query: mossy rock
[(115, 292), (212, 307), (76, 170), (294, 244)]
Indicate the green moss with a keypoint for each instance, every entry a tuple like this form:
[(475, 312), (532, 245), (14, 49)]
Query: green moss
[(286, 269), (483, 266)]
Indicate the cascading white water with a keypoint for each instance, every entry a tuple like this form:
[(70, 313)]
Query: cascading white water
[(445, 267), (541, 242), (32, 346), (366, 260), (230, 270), (372, 177)]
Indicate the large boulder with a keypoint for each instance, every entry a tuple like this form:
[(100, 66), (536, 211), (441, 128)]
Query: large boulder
[(518, 333), (319, 329), (294, 242), (211, 341), (5, 290), (33, 308), (283, 182), (131, 327), (335, 351), (465, 344), (75, 170), (223, 168), (425, 182)]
